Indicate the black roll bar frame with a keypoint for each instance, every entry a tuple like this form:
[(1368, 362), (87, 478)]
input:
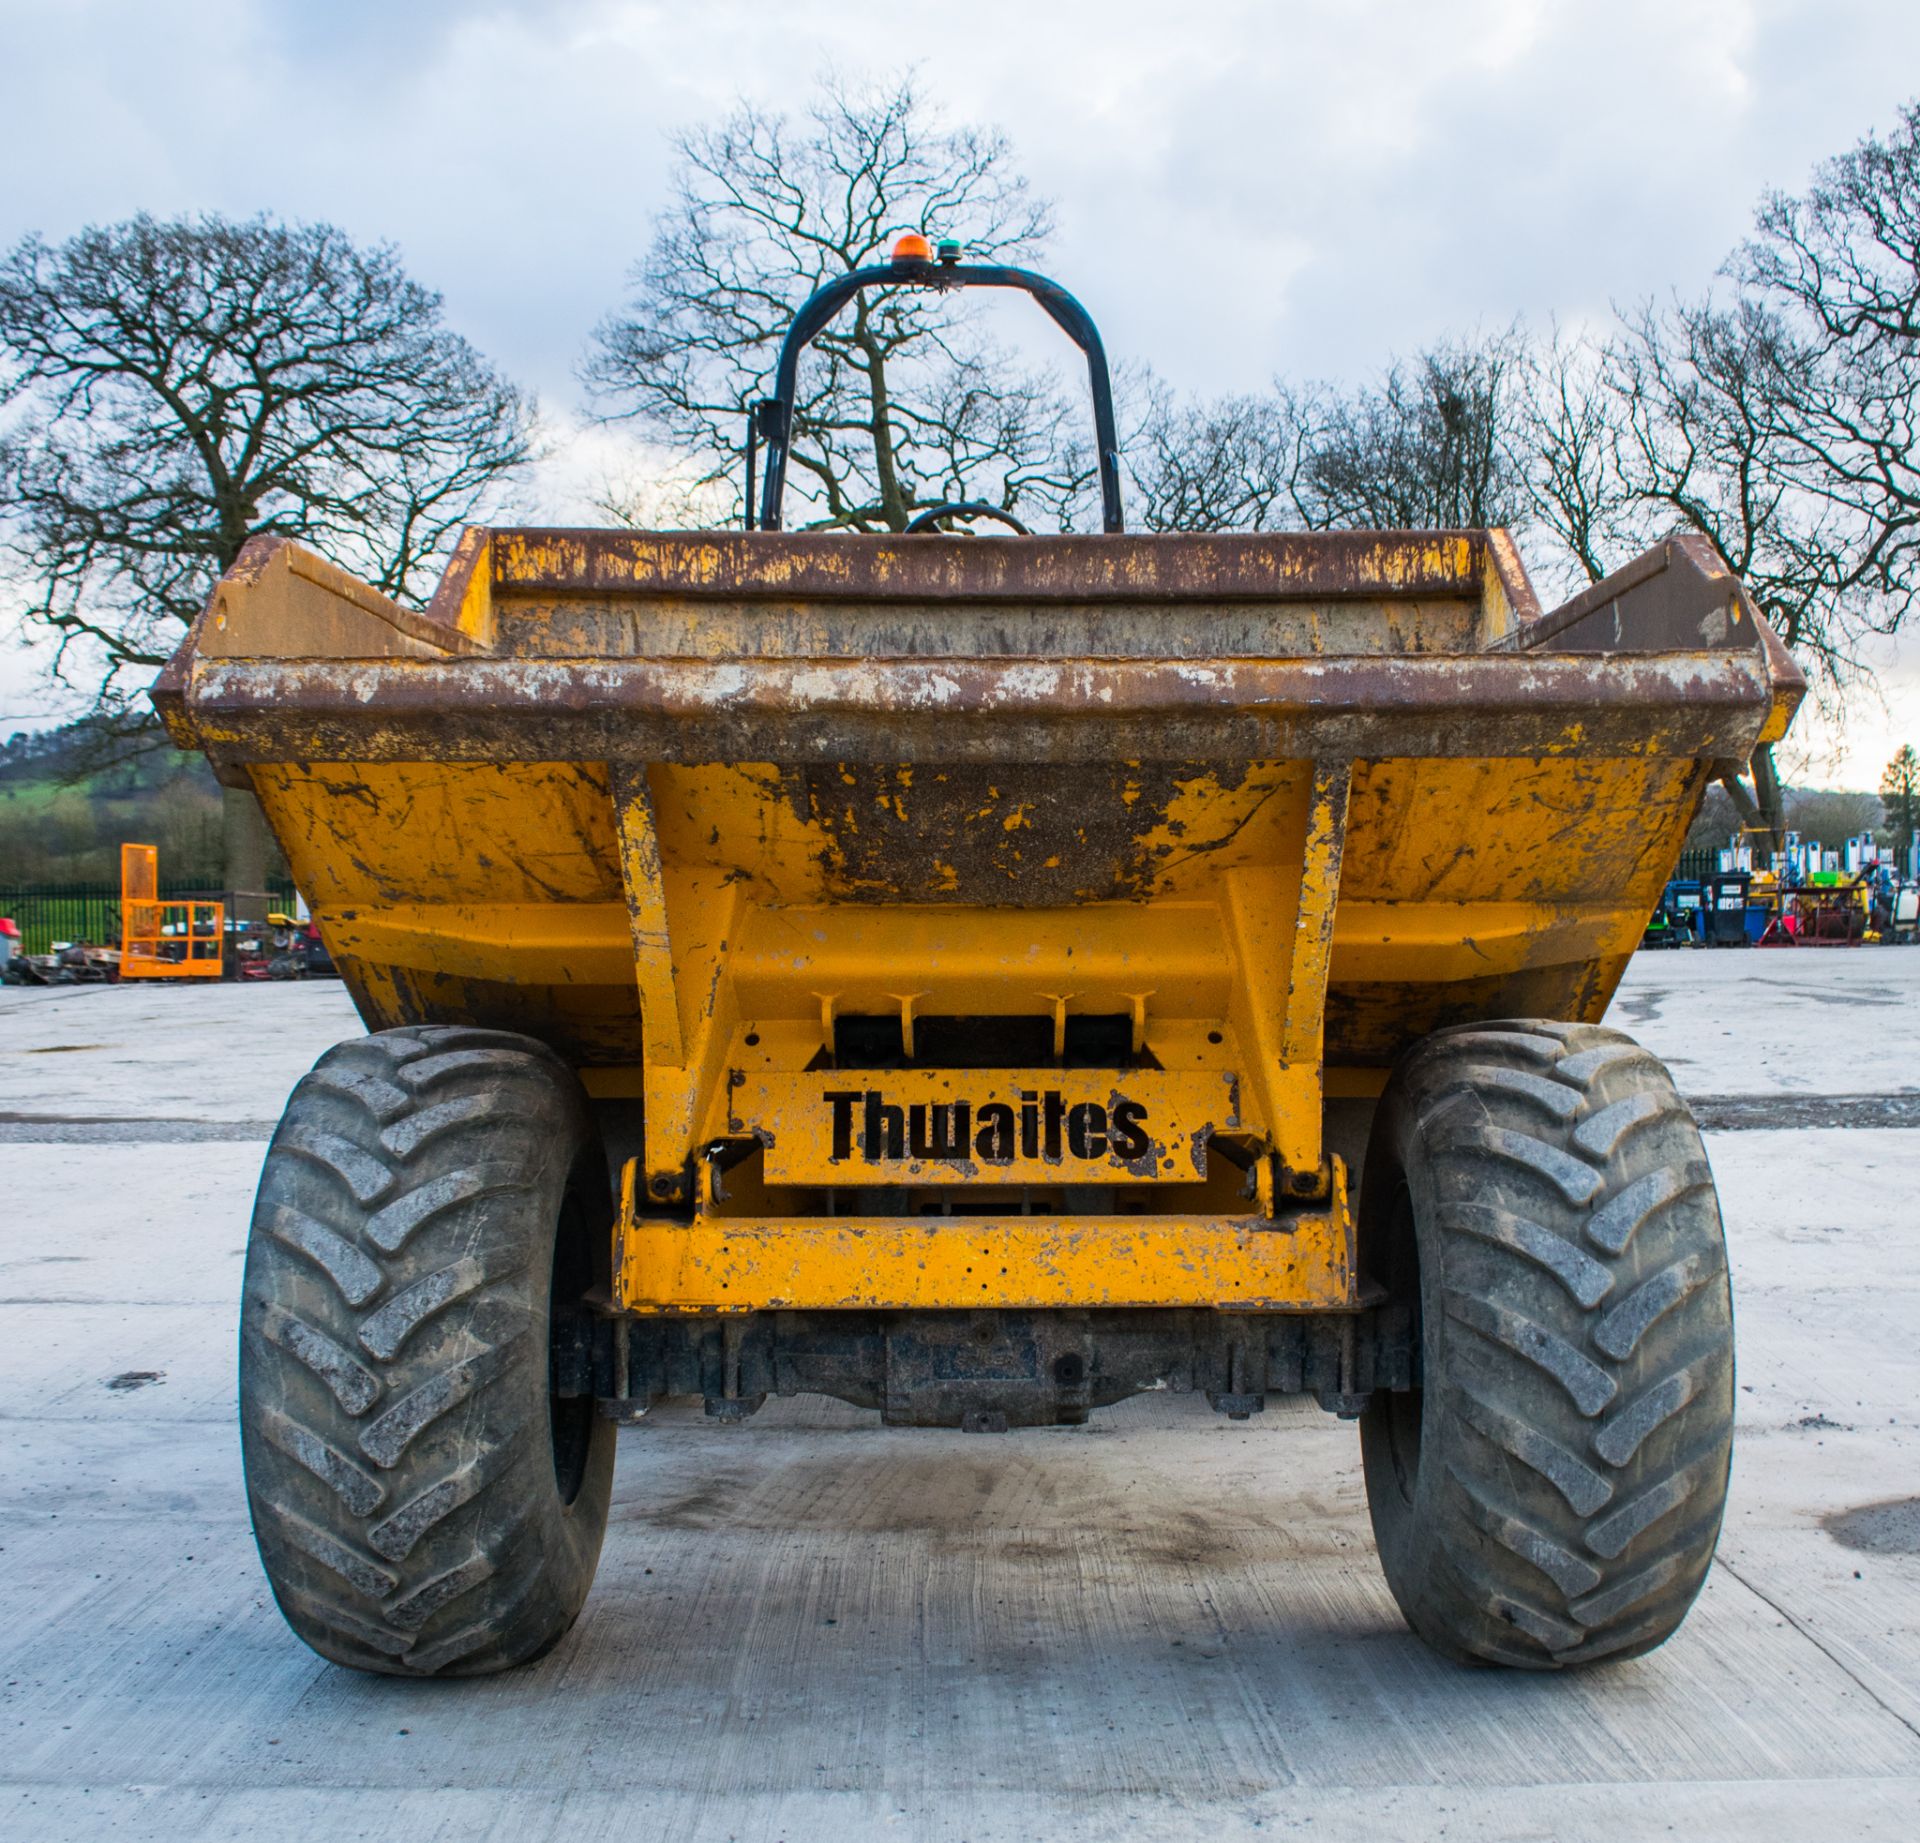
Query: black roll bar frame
[(771, 419)]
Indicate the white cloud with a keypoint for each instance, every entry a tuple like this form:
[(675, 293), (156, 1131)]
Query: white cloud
[(1241, 185), (1850, 748), (26, 700)]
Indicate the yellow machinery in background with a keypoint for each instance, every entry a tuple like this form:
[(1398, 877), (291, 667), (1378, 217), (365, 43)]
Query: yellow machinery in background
[(165, 939), (982, 977)]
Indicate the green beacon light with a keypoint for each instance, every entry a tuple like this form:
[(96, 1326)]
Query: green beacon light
[(949, 249)]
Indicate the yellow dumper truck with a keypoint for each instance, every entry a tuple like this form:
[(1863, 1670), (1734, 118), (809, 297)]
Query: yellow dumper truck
[(981, 977)]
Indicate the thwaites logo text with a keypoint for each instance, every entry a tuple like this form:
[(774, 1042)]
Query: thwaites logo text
[(1038, 1124)]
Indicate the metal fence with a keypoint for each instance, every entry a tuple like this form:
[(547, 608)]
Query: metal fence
[(54, 912)]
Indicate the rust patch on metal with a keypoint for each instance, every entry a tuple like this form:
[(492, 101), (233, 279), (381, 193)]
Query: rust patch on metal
[(1689, 704), (1005, 833), (1211, 566)]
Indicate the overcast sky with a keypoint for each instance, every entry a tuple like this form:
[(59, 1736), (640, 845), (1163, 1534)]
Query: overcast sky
[(1241, 188)]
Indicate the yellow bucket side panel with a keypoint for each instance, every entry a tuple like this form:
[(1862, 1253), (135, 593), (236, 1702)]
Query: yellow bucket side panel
[(589, 1025), (467, 893), (1596, 828), (1496, 888), (524, 943), (1368, 1026), (396, 832)]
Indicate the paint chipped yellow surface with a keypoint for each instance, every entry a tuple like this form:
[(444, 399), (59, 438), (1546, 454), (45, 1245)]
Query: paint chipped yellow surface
[(909, 1263), (689, 933)]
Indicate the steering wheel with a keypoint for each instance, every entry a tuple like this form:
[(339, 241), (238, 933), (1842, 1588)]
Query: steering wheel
[(964, 508)]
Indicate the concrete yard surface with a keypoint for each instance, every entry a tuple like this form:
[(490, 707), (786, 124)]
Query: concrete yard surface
[(1161, 1625)]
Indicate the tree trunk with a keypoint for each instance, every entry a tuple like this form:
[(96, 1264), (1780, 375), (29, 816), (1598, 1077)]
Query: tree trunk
[(247, 844), (1770, 797)]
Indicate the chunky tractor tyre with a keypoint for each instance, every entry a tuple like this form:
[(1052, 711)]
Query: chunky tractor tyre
[(1552, 1493), (425, 1503)]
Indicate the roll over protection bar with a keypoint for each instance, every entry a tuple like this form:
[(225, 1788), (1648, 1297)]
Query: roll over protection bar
[(771, 419)]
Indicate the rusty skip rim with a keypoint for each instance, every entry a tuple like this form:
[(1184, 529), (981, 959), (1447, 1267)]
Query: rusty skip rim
[(1674, 705), (820, 566)]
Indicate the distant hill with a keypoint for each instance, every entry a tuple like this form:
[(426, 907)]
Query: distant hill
[(63, 820)]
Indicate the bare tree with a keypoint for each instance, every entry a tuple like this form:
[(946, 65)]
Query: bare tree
[(1571, 424), (173, 389), (1230, 464), (1431, 445), (1847, 253), (1779, 414), (902, 403), (1900, 797), (1840, 268), (1711, 440), (1661, 427)]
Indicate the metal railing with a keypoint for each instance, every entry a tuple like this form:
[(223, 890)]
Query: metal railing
[(50, 912)]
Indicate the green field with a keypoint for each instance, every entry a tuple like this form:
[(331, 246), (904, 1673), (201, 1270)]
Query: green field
[(62, 826)]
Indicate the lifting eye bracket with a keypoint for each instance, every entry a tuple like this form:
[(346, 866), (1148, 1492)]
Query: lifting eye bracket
[(771, 419)]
